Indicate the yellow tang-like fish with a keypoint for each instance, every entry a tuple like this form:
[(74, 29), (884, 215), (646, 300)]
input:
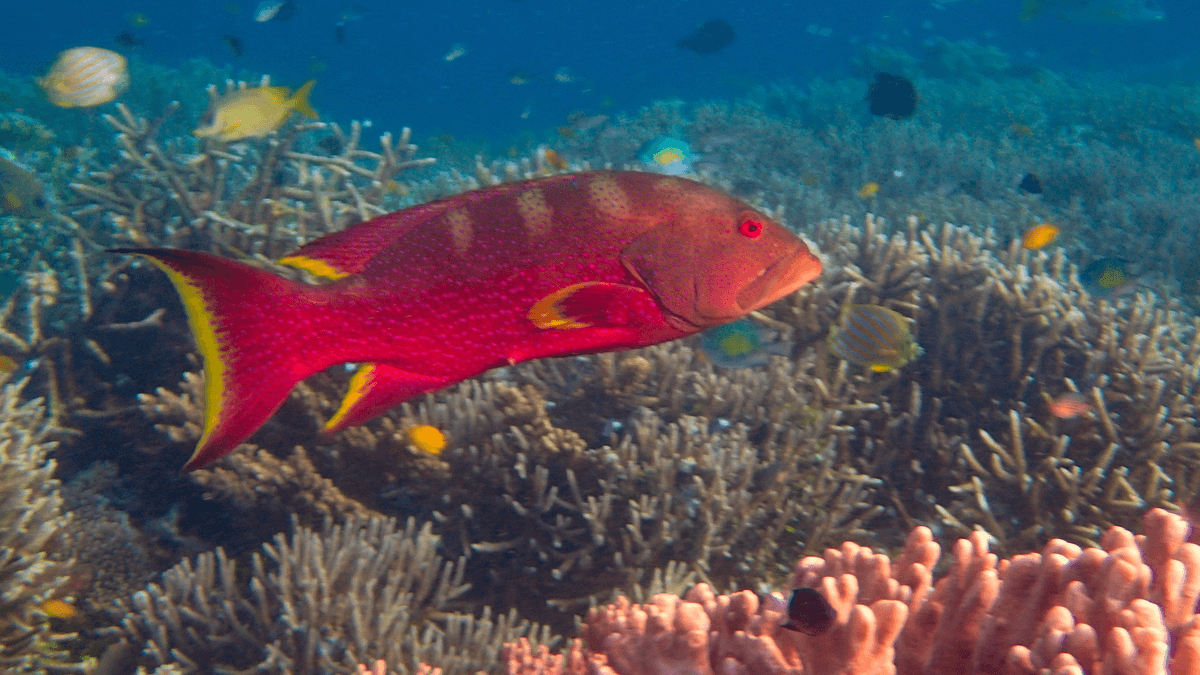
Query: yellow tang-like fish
[(85, 76), (255, 112)]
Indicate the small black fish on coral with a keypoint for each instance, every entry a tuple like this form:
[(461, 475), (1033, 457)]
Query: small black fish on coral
[(809, 612), (892, 96), (1030, 183), (710, 36)]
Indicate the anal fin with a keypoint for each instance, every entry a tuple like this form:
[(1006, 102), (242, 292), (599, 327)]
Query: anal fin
[(377, 388)]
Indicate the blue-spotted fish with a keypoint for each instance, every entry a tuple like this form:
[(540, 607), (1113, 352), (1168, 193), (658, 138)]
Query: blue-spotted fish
[(874, 336), (1109, 278), (83, 77)]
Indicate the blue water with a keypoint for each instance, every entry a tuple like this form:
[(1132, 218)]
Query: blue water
[(391, 68)]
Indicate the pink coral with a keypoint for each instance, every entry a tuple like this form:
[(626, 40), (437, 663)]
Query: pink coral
[(1128, 608)]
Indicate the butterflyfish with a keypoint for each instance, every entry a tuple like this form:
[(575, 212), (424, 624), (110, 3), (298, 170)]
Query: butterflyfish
[(255, 112), (874, 336), (571, 264), (83, 77), (809, 612)]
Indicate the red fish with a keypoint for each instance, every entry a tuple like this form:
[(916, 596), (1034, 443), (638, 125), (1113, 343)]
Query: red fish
[(439, 293)]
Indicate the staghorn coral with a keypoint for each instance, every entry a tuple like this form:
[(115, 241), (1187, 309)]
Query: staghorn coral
[(264, 197), (1126, 608), (318, 604), (964, 433), (33, 567), (553, 521)]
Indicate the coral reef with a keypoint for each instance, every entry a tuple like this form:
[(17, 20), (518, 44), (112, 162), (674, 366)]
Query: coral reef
[(1014, 331), (262, 198), (316, 603), (33, 564), (566, 481), (1128, 607)]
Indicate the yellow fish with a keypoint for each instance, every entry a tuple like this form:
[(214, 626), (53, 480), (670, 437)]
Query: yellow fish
[(60, 609), (83, 77), (1039, 236), (255, 112), (869, 190), (427, 439)]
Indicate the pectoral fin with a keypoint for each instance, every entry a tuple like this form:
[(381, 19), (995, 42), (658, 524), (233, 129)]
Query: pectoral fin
[(592, 304)]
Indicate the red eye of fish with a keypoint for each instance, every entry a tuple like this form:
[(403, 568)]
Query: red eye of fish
[(750, 229)]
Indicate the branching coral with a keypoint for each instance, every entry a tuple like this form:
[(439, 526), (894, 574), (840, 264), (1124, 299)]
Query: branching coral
[(1126, 608), (32, 568), (965, 433), (261, 197), (318, 604)]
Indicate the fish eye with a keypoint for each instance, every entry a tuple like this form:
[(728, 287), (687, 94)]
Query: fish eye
[(750, 228)]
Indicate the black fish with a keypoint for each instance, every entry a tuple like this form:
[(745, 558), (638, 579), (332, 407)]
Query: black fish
[(234, 43), (809, 612), (331, 144), (1031, 183), (339, 32), (892, 96), (711, 36), (128, 40)]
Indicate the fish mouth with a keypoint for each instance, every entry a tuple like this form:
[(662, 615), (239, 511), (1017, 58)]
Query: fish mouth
[(779, 279)]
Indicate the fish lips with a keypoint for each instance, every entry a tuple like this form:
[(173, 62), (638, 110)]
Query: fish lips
[(779, 279)]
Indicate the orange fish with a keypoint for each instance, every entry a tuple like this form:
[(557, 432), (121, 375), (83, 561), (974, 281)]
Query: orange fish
[(1039, 236), (427, 439), (432, 295), (554, 160), (60, 609), (1069, 406)]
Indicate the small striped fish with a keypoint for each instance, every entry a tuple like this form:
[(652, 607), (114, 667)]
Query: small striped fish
[(85, 76), (875, 337)]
